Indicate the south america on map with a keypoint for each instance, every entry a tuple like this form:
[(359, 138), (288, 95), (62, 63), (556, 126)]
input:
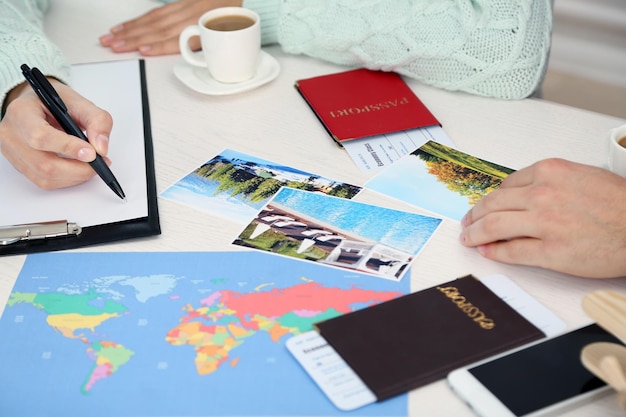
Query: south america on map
[(172, 334)]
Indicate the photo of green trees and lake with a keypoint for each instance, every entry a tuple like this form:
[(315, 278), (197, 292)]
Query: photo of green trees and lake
[(235, 185)]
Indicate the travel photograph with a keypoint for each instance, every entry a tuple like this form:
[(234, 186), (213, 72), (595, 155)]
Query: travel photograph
[(440, 179), (235, 185), (339, 232)]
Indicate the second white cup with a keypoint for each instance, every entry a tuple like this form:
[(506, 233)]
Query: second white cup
[(231, 43), (617, 150)]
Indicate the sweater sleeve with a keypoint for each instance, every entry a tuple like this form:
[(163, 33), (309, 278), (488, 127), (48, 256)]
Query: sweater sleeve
[(268, 12), (22, 41), (495, 48)]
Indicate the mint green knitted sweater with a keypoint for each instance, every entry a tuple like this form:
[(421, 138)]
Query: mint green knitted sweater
[(495, 48)]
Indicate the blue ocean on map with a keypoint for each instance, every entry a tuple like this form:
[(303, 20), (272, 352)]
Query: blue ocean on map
[(95, 334)]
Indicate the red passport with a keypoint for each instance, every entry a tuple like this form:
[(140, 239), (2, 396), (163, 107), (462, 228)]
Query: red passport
[(360, 103)]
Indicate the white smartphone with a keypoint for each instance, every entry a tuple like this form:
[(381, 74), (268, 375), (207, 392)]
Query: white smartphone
[(543, 378)]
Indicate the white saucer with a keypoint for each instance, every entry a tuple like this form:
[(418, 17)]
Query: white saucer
[(198, 78)]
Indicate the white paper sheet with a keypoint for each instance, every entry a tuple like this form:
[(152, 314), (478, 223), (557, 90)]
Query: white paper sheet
[(115, 87)]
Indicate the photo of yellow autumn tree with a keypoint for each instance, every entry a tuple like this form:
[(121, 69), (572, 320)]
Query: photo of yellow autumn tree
[(464, 174), (440, 179)]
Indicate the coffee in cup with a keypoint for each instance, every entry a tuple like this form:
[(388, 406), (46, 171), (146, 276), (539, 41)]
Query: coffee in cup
[(231, 43), (617, 150), (228, 23)]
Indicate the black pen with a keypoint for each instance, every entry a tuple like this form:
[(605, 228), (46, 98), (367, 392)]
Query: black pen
[(53, 102)]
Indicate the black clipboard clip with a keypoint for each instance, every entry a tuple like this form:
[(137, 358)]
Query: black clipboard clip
[(33, 231)]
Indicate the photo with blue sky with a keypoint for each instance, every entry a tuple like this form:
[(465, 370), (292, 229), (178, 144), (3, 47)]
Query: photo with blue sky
[(442, 180)]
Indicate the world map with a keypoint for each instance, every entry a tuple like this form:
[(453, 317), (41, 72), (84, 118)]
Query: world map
[(172, 334)]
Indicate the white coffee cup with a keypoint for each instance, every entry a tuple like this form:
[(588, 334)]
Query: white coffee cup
[(231, 43), (617, 150)]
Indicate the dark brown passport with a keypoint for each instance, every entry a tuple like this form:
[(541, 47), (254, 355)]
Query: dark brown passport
[(418, 338)]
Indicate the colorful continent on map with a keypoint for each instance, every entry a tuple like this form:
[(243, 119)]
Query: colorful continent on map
[(107, 357), (225, 319), (220, 323), (70, 313)]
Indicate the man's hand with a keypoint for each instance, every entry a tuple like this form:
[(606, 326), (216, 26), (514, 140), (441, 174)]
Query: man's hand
[(554, 214)]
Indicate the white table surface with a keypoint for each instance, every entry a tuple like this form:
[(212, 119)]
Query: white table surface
[(273, 122)]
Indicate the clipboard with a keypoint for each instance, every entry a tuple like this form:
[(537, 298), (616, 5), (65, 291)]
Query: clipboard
[(90, 213)]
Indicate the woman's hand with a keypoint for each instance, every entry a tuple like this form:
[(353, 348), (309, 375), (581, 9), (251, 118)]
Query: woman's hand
[(157, 32), (33, 142)]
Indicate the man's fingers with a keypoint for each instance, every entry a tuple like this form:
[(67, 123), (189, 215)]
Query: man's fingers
[(521, 251), (519, 178), (499, 226), (534, 252), (503, 199)]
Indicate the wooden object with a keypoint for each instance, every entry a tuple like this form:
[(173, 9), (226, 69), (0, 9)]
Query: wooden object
[(608, 309), (607, 361)]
